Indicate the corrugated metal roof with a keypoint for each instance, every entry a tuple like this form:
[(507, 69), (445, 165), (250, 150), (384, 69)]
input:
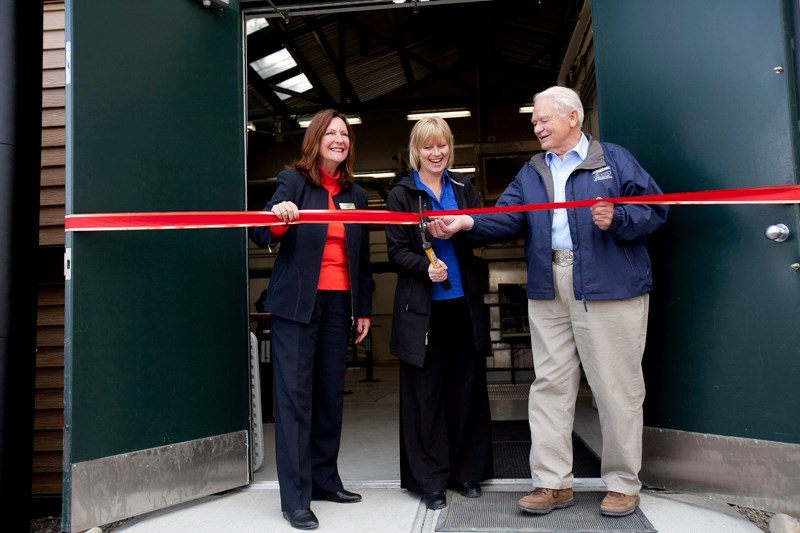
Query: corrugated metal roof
[(404, 58)]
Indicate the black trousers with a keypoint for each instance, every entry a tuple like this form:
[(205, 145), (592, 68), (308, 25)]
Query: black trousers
[(445, 421), (310, 362)]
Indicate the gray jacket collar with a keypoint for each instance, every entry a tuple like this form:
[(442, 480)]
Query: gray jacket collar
[(594, 160)]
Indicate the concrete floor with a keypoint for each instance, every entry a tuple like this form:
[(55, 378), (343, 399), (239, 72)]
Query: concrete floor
[(369, 464)]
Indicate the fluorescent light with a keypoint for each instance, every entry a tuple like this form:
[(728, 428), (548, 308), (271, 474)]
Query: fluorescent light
[(464, 170), (305, 121), (527, 108), (375, 174), (453, 113)]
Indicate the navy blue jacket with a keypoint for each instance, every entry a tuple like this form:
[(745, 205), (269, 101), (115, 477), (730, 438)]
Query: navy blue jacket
[(609, 265), (412, 297), (295, 276)]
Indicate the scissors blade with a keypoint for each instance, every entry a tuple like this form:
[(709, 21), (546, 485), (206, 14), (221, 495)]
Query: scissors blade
[(422, 224)]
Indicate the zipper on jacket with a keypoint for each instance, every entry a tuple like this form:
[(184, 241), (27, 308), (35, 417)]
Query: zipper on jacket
[(628, 257)]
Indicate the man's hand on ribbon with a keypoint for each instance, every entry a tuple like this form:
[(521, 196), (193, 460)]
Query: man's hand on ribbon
[(446, 226), (602, 214)]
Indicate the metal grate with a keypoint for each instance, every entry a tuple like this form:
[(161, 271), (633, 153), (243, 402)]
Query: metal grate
[(496, 512), (505, 391), (511, 446)]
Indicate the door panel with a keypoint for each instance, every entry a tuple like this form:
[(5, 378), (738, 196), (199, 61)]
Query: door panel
[(156, 347), (691, 88)]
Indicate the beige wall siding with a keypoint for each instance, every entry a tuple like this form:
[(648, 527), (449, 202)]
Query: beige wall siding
[(48, 442)]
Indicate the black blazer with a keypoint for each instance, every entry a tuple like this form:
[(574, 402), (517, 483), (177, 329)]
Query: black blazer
[(412, 297), (293, 285)]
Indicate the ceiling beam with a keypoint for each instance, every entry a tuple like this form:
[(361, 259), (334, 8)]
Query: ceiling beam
[(399, 45), (337, 63), (288, 8), (431, 67), (289, 38), (266, 91)]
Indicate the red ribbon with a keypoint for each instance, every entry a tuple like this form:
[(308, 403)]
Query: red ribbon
[(228, 219), (773, 194)]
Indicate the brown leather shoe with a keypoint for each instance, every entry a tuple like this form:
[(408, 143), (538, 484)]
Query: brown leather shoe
[(618, 504), (542, 501)]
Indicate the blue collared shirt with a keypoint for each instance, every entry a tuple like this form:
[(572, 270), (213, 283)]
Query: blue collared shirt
[(444, 248), (561, 169)]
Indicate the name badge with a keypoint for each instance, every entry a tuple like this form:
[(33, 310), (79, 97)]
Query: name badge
[(347, 206)]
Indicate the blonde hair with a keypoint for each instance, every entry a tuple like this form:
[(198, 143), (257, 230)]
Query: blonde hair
[(426, 130)]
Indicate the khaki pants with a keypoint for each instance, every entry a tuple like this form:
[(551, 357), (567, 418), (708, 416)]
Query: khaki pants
[(607, 338)]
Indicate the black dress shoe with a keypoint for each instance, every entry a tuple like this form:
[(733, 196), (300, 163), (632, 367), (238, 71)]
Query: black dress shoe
[(468, 489), (301, 519), (434, 499), (340, 496)]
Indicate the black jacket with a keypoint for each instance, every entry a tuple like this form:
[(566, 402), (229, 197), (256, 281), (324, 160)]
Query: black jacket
[(293, 284), (412, 298)]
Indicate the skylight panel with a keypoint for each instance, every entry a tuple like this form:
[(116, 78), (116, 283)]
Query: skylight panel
[(253, 25), (298, 84), (274, 63)]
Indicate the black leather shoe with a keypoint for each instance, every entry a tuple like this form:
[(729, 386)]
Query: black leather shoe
[(434, 499), (468, 489), (301, 519), (340, 496)]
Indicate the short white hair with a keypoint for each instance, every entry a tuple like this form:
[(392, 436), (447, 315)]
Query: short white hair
[(564, 100)]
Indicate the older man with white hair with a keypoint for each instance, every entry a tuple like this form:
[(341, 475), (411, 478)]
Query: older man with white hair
[(589, 280)]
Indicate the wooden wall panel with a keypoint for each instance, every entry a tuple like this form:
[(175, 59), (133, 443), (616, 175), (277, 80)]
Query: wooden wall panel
[(55, 97), (53, 137), (49, 382), (52, 196), (55, 116), (53, 176), (51, 236), (49, 399), (52, 216), (52, 419), (46, 484)]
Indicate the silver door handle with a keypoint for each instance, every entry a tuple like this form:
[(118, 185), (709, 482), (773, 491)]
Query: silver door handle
[(777, 232)]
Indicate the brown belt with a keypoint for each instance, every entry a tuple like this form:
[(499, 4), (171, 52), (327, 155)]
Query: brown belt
[(563, 257)]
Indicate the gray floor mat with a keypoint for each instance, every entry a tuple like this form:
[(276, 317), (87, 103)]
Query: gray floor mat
[(496, 512)]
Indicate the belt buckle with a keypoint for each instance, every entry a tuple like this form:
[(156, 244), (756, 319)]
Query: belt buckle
[(563, 257)]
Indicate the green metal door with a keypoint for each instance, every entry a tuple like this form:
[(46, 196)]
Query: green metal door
[(704, 94), (156, 339)]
